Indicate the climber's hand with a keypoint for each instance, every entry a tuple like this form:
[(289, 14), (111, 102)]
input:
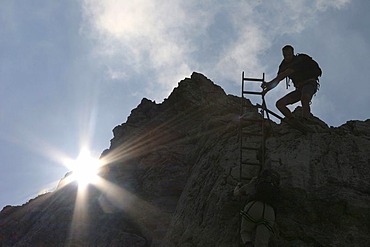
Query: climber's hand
[(266, 86)]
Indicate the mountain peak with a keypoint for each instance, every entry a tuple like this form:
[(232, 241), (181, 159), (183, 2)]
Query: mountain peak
[(172, 168), (196, 90)]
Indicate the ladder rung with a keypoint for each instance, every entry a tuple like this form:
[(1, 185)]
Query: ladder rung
[(251, 133), (246, 178), (271, 112), (253, 92), (251, 148), (253, 79), (254, 120), (251, 163), (248, 131), (251, 144)]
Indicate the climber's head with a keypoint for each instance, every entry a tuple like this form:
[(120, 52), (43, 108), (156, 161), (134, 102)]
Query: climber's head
[(288, 53)]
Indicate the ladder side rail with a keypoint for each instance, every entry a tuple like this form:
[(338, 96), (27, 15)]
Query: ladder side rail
[(263, 127), (244, 92), (241, 131)]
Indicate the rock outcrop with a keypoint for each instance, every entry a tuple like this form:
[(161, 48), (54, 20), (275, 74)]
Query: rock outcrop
[(170, 173)]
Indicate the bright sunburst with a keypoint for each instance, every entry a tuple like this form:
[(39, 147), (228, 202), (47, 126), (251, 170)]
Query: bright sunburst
[(84, 168)]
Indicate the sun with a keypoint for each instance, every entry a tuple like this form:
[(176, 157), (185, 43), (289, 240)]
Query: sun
[(85, 168)]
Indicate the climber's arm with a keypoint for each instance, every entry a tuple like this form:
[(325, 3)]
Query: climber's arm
[(274, 82)]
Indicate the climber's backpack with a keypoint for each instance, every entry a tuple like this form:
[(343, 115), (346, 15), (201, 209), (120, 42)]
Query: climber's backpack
[(267, 186), (312, 68)]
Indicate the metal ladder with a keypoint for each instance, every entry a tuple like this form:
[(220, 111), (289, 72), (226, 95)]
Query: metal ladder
[(252, 131)]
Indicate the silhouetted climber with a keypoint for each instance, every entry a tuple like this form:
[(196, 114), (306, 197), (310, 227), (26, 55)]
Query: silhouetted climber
[(304, 72), (259, 212)]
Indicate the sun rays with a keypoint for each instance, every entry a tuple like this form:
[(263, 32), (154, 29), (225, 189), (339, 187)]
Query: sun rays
[(96, 190), (84, 168), (163, 134), (95, 186), (109, 191)]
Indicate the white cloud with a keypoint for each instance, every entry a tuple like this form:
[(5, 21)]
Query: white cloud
[(144, 35), (244, 53), (168, 39), (324, 4), (116, 74)]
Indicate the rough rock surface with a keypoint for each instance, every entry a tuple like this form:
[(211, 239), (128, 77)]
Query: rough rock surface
[(171, 171)]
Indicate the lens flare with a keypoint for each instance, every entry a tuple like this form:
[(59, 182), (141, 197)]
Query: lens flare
[(84, 168)]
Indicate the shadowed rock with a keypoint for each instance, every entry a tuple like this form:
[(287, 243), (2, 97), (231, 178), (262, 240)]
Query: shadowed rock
[(172, 168)]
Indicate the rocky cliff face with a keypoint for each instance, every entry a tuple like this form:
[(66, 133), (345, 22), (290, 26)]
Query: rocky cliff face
[(171, 171)]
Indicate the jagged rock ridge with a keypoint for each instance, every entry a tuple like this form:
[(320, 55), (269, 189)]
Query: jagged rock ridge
[(175, 165)]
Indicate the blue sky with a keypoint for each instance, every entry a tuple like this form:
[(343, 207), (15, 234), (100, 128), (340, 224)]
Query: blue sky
[(71, 70)]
